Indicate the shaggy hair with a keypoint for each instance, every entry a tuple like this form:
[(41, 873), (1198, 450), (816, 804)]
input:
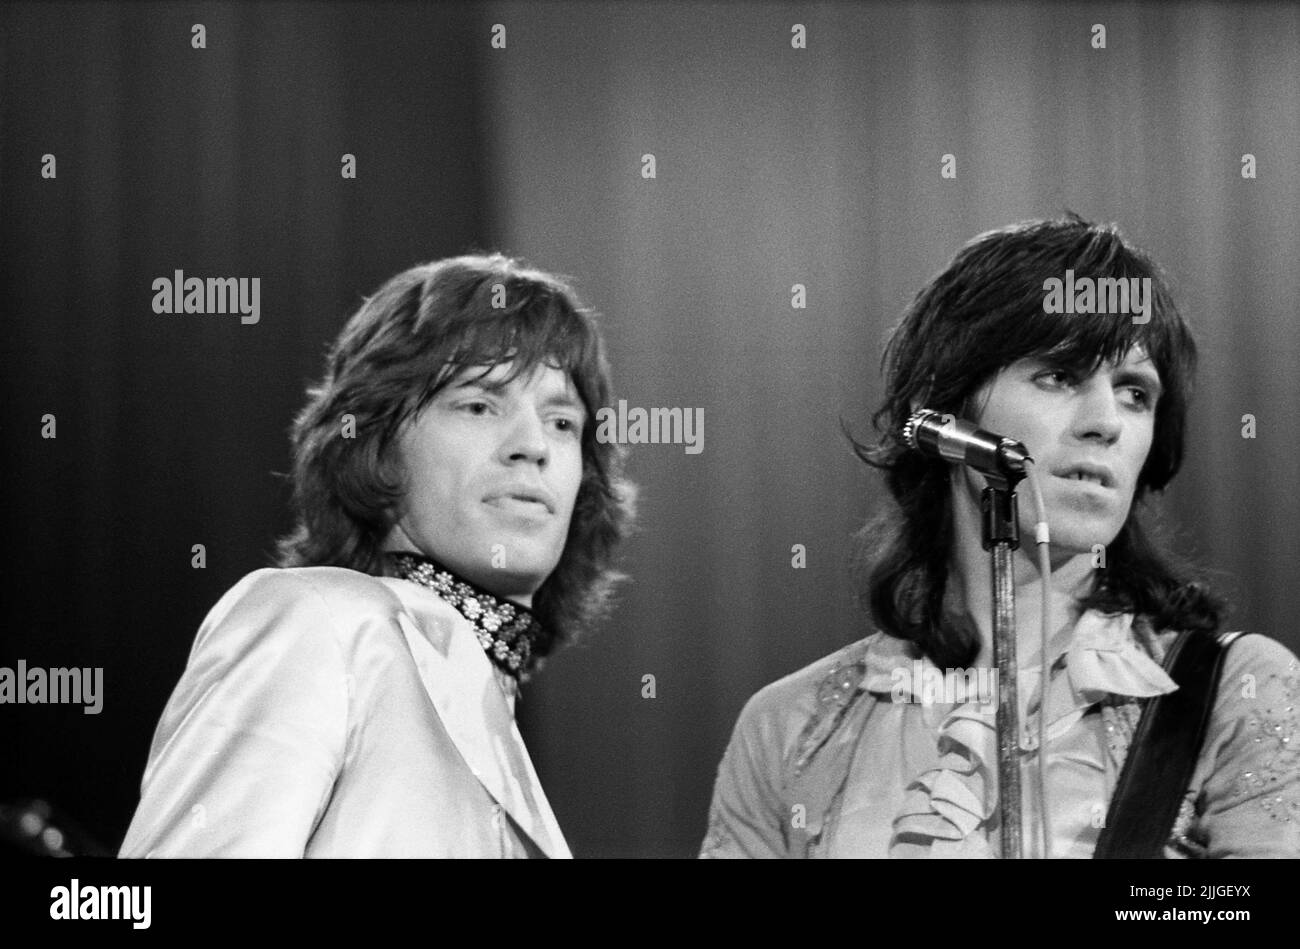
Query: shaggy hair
[(982, 313), (406, 343)]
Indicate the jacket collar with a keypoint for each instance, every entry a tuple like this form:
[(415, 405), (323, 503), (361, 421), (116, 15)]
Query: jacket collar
[(474, 709)]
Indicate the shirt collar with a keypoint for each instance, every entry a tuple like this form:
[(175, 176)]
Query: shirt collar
[(1104, 656), (1101, 655)]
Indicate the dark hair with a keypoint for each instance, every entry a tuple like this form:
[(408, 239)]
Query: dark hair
[(405, 343), (982, 313)]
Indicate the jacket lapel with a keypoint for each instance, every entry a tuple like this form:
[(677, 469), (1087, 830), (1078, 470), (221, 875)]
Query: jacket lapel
[(458, 677)]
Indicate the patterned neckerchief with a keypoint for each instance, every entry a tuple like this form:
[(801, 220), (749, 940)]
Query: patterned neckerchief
[(507, 631)]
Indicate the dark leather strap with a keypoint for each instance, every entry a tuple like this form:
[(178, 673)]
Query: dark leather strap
[(1162, 757)]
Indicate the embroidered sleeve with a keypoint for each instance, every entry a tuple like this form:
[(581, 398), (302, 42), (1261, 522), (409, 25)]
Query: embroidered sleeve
[(746, 816), (835, 693), (1250, 802)]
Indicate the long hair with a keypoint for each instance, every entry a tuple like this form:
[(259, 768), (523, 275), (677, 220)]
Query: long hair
[(982, 313), (395, 354)]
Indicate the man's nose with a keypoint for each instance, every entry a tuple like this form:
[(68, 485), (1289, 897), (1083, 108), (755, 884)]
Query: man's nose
[(526, 439), (1098, 416)]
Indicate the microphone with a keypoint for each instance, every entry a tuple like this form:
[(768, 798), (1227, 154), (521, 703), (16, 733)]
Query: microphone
[(950, 438)]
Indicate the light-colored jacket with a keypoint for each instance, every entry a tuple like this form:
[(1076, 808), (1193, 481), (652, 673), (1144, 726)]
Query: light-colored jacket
[(328, 713)]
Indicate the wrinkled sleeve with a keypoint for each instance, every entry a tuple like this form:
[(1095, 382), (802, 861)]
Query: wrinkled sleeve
[(245, 757), (746, 817), (1251, 803)]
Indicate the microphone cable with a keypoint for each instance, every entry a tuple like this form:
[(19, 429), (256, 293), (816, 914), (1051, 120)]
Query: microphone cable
[(1042, 542)]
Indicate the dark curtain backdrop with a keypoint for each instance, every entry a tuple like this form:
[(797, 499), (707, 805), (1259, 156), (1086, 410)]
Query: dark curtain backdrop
[(777, 166), (217, 162), (774, 166)]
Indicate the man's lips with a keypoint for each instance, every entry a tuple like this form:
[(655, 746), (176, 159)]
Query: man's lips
[(1089, 473), (522, 500)]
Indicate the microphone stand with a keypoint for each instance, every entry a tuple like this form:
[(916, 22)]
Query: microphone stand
[(1002, 462), (1001, 536)]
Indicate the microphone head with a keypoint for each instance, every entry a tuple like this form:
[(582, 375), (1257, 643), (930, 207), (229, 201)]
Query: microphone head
[(912, 426)]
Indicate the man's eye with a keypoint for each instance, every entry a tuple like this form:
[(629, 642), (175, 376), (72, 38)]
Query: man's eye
[(568, 425), (1141, 396), (1058, 376), (477, 407)]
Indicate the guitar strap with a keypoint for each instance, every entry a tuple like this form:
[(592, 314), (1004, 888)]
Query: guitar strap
[(1162, 756)]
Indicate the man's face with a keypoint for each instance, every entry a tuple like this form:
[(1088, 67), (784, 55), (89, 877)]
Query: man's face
[(493, 473), (1100, 426)]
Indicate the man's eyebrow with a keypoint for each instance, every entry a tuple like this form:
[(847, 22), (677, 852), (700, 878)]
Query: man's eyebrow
[(478, 382), (565, 400), (1051, 361)]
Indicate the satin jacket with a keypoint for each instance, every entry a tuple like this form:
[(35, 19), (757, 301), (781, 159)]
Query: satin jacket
[(328, 713), (874, 752)]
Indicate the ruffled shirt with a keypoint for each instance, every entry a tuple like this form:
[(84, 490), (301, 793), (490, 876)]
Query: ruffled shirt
[(875, 752)]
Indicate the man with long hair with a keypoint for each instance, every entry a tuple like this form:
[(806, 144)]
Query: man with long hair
[(857, 755), (456, 521)]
